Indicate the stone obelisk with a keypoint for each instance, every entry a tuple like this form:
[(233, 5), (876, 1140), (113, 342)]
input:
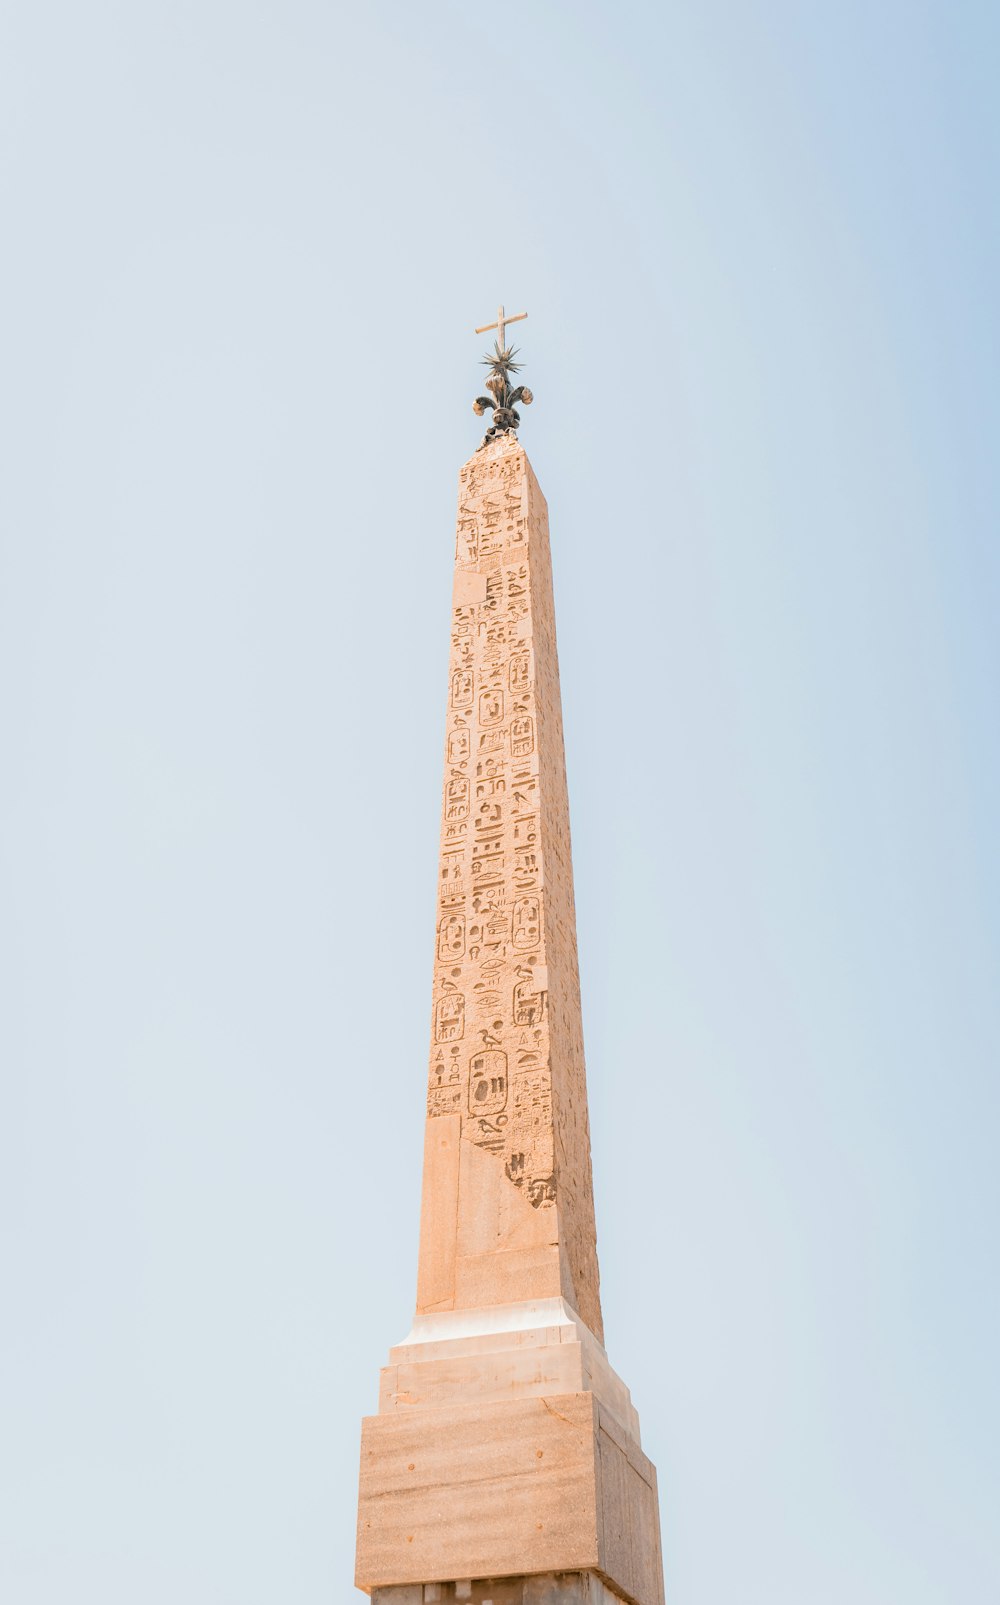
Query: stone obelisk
[(504, 1466)]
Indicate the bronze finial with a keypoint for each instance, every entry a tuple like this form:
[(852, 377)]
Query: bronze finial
[(503, 397)]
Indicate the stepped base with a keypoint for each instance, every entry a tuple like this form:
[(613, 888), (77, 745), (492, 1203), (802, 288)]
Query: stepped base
[(506, 1446), (547, 1588), (500, 1353)]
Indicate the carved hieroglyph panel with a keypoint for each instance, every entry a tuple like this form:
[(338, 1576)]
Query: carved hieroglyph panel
[(506, 1042)]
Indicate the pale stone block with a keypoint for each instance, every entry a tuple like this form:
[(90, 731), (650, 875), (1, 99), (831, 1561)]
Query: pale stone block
[(460, 1492), (554, 1481)]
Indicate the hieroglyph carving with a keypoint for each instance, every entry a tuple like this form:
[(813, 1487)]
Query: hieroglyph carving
[(507, 1052), (488, 941)]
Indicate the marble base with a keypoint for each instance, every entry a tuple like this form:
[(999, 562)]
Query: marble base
[(504, 1436)]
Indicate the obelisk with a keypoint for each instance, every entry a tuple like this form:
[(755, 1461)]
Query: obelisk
[(504, 1464)]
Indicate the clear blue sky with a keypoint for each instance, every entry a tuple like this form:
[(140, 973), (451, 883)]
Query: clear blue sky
[(244, 250)]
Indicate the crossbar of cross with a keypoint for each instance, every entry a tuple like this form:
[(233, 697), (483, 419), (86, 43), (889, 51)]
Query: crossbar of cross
[(501, 325)]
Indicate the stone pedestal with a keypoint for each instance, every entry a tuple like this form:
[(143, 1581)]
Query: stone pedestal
[(544, 1588), (505, 1438)]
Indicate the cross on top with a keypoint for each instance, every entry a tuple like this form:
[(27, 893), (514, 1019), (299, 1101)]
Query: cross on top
[(500, 325)]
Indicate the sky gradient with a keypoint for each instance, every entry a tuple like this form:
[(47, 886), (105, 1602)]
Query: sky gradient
[(245, 250)]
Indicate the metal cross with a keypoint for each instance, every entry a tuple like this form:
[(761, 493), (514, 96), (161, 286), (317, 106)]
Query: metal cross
[(500, 325)]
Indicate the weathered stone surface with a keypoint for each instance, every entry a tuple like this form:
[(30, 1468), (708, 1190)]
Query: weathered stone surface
[(544, 1588), (537, 1484), (501, 1352), (508, 1209), (504, 1465)]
